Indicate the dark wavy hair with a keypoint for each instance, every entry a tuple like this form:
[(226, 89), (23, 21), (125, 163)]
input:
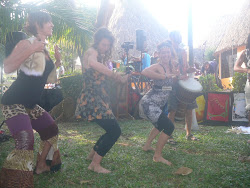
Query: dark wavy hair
[(38, 17), (103, 33), (166, 43), (175, 36)]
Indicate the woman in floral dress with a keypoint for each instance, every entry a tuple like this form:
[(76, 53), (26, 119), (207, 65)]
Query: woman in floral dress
[(93, 104)]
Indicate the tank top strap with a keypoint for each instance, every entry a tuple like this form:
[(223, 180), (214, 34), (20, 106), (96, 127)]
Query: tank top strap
[(163, 67)]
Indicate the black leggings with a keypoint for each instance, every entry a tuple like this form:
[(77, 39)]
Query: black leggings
[(165, 124), (106, 141)]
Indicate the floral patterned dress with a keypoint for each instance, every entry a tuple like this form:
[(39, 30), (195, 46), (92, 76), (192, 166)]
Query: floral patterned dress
[(93, 101)]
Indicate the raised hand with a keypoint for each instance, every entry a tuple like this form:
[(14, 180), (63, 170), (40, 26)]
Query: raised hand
[(57, 56), (57, 53), (38, 46)]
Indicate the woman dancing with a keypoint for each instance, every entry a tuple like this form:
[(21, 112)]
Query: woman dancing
[(153, 102), (93, 102), (20, 109)]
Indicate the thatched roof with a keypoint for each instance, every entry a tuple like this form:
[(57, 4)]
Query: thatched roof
[(211, 42), (217, 31), (127, 17), (237, 33)]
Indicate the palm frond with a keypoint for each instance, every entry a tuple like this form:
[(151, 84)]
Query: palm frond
[(73, 26)]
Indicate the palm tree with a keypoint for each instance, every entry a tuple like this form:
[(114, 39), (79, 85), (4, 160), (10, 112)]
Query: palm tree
[(73, 26)]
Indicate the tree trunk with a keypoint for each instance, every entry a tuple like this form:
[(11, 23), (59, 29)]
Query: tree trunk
[(104, 13)]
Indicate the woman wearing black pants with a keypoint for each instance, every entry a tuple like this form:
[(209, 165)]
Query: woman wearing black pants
[(154, 101), (93, 103)]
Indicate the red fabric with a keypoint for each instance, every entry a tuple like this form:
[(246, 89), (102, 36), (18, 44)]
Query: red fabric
[(133, 100), (218, 107)]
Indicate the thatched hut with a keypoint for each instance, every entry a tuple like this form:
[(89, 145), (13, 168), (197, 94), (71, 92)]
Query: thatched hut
[(217, 31), (127, 17), (233, 41), (211, 42)]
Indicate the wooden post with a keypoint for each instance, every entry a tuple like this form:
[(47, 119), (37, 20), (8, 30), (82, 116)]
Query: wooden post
[(220, 65), (190, 36)]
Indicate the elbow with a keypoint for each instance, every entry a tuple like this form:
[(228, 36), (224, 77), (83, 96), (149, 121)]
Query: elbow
[(7, 71), (236, 69), (6, 68), (144, 73)]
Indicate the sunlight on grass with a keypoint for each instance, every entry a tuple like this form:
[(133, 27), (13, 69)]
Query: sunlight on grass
[(213, 159)]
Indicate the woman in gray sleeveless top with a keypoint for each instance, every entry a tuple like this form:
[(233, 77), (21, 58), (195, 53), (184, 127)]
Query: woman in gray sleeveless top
[(153, 102)]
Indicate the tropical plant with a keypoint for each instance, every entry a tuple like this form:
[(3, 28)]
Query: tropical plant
[(73, 26), (68, 57), (208, 83), (239, 81)]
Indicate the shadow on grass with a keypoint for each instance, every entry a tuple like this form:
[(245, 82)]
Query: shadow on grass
[(213, 159)]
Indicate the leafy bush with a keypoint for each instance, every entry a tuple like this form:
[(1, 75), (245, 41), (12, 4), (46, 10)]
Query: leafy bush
[(239, 81), (72, 85), (208, 83)]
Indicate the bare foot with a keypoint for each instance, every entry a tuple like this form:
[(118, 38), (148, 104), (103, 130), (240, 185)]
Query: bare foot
[(191, 137), (98, 169), (162, 160), (40, 168), (91, 155), (148, 148)]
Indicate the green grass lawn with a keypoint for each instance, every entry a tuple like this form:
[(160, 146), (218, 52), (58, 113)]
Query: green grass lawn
[(213, 159)]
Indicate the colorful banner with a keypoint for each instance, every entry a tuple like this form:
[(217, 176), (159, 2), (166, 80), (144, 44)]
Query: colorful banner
[(218, 107)]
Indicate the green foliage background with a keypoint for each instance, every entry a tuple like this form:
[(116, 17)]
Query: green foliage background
[(72, 85), (239, 81), (208, 83), (209, 54)]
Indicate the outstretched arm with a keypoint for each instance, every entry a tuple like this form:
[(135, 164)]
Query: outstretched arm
[(239, 62), (57, 56), (93, 63), (153, 73)]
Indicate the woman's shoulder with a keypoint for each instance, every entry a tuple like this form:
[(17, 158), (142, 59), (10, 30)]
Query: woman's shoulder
[(91, 51), (157, 66)]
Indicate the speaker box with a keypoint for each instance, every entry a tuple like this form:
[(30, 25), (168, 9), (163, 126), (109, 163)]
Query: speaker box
[(12, 39), (140, 39)]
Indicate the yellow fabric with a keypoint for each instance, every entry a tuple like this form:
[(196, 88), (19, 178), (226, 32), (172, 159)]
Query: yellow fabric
[(201, 108), (226, 83)]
